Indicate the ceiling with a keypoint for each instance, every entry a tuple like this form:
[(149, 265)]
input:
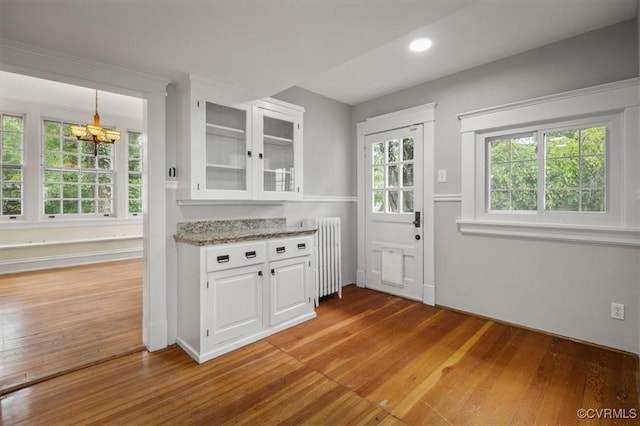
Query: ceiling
[(16, 87), (349, 50)]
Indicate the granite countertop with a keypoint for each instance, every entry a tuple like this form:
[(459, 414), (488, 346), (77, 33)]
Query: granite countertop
[(211, 232)]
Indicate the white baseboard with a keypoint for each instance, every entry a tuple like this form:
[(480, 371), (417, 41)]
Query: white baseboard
[(59, 261), (429, 294), (157, 338), (360, 278)]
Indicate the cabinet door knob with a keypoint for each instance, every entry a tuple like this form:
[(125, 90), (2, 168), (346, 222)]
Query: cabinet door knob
[(261, 156), (259, 273), (249, 154), (273, 272)]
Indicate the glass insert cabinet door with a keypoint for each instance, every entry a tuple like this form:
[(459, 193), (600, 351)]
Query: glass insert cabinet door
[(278, 153), (226, 148)]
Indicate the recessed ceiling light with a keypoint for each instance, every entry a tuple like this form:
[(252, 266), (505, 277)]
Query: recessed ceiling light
[(420, 44)]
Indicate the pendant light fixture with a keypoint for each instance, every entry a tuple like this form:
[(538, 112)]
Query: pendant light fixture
[(95, 132)]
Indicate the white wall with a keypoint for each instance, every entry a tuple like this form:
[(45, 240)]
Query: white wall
[(564, 288), (329, 183)]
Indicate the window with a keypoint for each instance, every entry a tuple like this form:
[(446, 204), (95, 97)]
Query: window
[(11, 179), (564, 166), (135, 172), (76, 182), (575, 170), (513, 172), (392, 168), (571, 163)]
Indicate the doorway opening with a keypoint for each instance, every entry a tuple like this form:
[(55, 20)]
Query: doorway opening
[(68, 206)]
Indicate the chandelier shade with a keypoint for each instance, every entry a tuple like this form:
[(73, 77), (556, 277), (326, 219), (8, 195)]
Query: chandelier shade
[(95, 132)]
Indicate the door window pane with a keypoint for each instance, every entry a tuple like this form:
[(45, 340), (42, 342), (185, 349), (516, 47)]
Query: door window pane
[(407, 201), (393, 151), (378, 153), (378, 201), (407, 149), (394, 198)]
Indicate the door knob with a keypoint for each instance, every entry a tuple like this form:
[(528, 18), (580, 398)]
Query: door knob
[(417, 237)]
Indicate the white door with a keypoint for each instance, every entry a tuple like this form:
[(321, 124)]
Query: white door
[(393, 203), (234, 303)]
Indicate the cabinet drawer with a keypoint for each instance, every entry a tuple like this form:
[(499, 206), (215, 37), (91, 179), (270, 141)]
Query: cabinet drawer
[(235, 255), (287, 248)]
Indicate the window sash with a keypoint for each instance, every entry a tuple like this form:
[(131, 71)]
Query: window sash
[(72, 194), (11, 167), (539, 133)]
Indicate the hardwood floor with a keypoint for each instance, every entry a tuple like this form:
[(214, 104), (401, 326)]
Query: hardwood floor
[(368, 358), (57, 320)]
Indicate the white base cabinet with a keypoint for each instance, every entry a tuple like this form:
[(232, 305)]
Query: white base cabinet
[(230, 295)]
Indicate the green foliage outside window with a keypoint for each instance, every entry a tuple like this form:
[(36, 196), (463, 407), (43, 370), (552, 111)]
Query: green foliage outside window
[(574, 171), (75, 180), (11, 155), (135, 172)]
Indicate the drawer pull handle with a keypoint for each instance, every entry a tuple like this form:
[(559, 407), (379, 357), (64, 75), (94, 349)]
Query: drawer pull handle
[(223, 259), (250, 254), (302, 246), (280, 249)]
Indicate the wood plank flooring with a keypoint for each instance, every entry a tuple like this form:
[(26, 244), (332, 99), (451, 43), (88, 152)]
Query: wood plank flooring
[(56, 320), (368, 358)]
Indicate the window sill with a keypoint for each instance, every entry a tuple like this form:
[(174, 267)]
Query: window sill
[(610, 235), (69, 223), (65, 242)]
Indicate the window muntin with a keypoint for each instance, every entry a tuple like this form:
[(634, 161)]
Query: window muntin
[(548, 170), (392, 176), (75, 181), (11, 165), (134, 180)]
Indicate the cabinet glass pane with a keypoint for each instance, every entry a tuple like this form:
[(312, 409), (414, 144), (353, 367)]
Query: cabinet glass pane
[(278, 155), (226, 147)]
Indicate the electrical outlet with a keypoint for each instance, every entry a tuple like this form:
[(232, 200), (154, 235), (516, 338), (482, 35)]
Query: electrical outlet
[(617, 311)]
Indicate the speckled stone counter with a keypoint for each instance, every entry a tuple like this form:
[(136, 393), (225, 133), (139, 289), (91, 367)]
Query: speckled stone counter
[(211, 232)]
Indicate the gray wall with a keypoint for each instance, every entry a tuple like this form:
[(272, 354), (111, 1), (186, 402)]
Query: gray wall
[(328, 152), (329, 164), (564, 288)]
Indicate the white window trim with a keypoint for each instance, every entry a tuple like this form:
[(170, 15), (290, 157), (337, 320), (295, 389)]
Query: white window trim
[(18, 217), (619, 226), (126, 173)]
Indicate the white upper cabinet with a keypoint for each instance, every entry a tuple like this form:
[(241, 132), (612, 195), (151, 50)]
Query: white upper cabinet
[(250, 151)]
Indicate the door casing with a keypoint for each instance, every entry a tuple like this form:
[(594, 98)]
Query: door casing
[(425, 115)]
